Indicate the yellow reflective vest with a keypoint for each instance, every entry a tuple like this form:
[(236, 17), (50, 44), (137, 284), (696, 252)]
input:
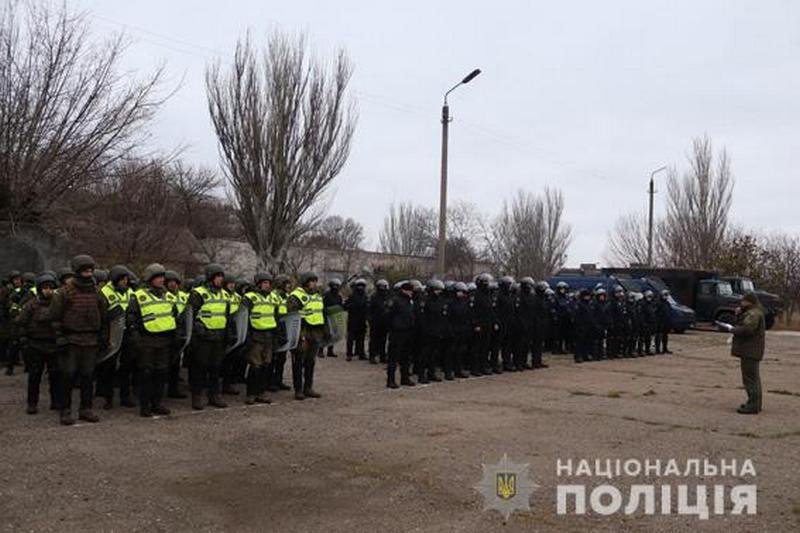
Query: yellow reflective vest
[(312, 307), (181, 297), (262, 312), (280, 301), (214, 312), (234, 299), (158, 314), (114, 298)]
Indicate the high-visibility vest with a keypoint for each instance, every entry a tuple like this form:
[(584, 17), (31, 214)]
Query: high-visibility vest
[(214, 312), (262, 313), (15, 308), (234, 299), (312, 307), (181, 297), (115, 298), (158, 314), (280, 301)]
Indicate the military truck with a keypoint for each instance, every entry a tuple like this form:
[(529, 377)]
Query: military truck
[(713, 297)]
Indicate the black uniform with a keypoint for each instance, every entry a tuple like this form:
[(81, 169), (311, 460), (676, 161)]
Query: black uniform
[(484, 323), (663, 325), (378, 330), (357, 306), (648, 325), (525, 314), (400, 314), (505, 316), (433, 323), (585, 330), (457, 358)]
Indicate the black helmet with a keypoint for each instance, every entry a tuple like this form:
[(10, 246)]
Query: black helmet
[(100, 275), (153, 270), (81, 262), (171, 275), (382, 284), (506, 282), (118, 272), (14, 274), (483, 279), (335, 283), (262, 276), (29, 277), (360, 282), (305, 277), (527, 282), (213, 269), (230, 278), (45, 278), (435, 285), (281, 280), (586, 293), (542, 286), (460, 286), (199, 280)]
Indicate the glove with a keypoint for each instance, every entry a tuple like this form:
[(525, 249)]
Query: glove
[(724, 326)]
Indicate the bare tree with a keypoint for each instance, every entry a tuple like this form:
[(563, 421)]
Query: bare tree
[(338, 233), (627, 242), (529, 237), (782, 270), (409, 230), (67, 115), (697, 209), (284, 127)]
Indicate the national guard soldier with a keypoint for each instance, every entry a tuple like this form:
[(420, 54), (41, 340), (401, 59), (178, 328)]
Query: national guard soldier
[(540, 325), (333, 298), (663, 322), (400, 314), (210, 309), (80, 318), (618, 320), (377, 322), (458, 361), (232, 365), (525, 314), (484, 324), (564, 308), (262, 325), (8, 309), (174, 283), (153, 315), (434, 322), (635, 317), (118, 295), (41, 350), (505, 316), (306, 300), (357, 306), (64, 275), (279, 295)]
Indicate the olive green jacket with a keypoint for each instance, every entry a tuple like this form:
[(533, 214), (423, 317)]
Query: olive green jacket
[(749, 334)]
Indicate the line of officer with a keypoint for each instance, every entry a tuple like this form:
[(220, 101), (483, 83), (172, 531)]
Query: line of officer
[(306, 300)]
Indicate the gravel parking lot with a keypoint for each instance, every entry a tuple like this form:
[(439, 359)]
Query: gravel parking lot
[(364, 458)]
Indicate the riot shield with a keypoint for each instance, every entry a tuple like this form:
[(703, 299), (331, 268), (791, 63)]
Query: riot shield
[(116, 331), (291, 324), (335, 326), (241, 321)]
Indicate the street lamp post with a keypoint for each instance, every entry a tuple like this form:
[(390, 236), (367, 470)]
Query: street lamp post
[(652, 192), (443, 185)]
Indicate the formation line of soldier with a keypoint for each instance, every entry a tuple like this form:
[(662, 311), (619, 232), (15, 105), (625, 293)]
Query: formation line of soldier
[(106, 331)]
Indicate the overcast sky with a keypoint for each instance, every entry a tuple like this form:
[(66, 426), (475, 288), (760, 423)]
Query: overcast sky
[(587, 96)]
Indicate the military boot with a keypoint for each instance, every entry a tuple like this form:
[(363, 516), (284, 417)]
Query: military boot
[(216, 401), (311, 393), (197, 402), (66, 417), (88, 416)]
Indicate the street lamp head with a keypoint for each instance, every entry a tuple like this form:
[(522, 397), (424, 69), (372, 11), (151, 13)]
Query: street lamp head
[(471, 76)]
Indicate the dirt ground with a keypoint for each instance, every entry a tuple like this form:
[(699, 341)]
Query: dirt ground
[(364, 458)]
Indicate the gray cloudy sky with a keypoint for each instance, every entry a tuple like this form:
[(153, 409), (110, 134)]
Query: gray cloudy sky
[(585, 96)]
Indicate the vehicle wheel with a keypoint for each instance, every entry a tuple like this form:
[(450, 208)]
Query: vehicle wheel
[(727, 317)]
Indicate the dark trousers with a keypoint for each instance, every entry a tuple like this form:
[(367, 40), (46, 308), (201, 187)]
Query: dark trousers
[(563, 335), (400, 343), (152, 363), (303, 361), (174, 373), (751, 379), (356, 334), (584, 345), (37, 361), (662, 339), (77, 363), (126, 370), (278, 364), (204, 370), (537, 342), (481, 349), (454, 350), (105, 372), (377, 342), (429, 358), (521, 348)]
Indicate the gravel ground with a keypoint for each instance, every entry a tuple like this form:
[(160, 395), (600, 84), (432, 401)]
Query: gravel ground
[(364, 458)]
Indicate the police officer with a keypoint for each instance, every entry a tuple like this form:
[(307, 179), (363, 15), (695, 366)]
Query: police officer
[(635, 314), (539, 325), (525, 313), (434, 323), (333, 298), (484, 324), (210, 309), (153, 319), (80, 317), (41, 350), (601, 316), (457, 359), (564, 307), (279, 294), (505, 316), (401, 316), (585, 327), (648, 321), (377, 322), (174, 283), (618, 320), (10, 301), (357, 306), (232, 368), (118, 296), (262, 325), (306, 300), (663, 323)]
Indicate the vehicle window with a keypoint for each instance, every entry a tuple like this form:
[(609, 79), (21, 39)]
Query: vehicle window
[(705, 288), (747, 285), (724, 289), (630, 285)]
